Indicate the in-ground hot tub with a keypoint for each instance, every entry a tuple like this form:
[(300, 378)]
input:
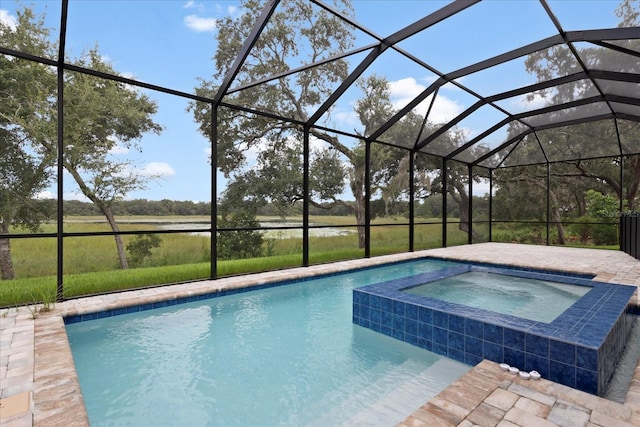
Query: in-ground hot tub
[(579, 347)]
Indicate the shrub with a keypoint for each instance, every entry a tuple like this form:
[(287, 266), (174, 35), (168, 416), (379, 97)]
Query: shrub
[(605, 234), (583, 228), (140, 248), (238, 244)]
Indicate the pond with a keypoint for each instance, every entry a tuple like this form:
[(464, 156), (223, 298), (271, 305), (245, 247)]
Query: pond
[(272, 229)]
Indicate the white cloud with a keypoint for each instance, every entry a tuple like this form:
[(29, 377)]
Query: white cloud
[(404, 90), (347, 118), (45, 194), (525, 104), (232, 10), (189, 4), (157, 170), (198, 23), (118, 149), (74, 195), (316, 144), (7, 19), (481, 188)]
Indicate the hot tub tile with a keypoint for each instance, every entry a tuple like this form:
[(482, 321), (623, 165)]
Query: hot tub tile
[(440, 319), (473, 328), (425, 315), (473, 345), (456, 341), (440, 336), (411, 311), (440, 349), (397, 322), (493, 333), (514, 357), (534, 362), (456, 323), (562, 352), (587, 381), (425, 343), (411, 326), (514, 339), (425, 330), (375, 301), (493, 351), (562, 373), (386, 304), (537, 345), (587, 358), (398, 308)]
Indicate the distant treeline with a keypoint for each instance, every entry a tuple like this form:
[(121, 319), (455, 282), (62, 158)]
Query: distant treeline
[(167, 207), (429, 207)]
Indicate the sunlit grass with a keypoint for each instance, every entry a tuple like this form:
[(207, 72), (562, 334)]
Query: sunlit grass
[(91, 265)]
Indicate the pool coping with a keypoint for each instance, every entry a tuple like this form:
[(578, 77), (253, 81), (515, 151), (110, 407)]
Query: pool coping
[(36, 358)]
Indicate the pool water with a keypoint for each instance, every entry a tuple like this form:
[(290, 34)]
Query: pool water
[(532, 299), (286, 355)]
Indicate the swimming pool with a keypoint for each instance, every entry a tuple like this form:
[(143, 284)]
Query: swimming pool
[(579, 348), (284, 355), (524, 297)]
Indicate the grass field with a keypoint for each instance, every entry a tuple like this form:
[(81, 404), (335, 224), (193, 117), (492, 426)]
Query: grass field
[(91, 265)]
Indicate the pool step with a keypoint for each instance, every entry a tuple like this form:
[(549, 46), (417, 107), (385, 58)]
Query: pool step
[(394, 404)]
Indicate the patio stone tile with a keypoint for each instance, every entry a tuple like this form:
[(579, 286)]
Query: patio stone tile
[(22, 420), (464, 395), (545, 399), (19, 371), (14, 407), (486, 415), (533, 407), (603, 420), (567, 414), (524, 418), (502, 399), (445, 410), (18, 387), (423, 418)]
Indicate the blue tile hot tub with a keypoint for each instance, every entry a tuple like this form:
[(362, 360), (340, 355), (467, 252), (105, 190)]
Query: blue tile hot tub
[(578, 348)]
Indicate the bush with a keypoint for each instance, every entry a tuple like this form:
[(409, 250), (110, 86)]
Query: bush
[(605, 234), (140, 248), (583, 228), (239, 244)]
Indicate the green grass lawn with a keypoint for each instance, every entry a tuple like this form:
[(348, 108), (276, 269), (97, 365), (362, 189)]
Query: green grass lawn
[(91, 264)]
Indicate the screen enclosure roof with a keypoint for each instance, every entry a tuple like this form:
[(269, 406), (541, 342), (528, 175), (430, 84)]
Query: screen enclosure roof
[(466, 65)]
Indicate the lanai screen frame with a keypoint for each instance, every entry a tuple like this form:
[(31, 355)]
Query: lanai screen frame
[(597, 37)]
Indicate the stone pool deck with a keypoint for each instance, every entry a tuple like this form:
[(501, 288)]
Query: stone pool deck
[(39, 386)]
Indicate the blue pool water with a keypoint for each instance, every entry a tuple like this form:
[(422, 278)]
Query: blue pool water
[(286, 355), (533, 299)]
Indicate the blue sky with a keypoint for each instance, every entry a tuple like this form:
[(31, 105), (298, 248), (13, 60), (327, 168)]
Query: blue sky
[(170, 43)]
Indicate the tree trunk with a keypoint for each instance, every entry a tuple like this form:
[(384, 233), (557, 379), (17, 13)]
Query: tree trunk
[(462, 200), (359, 210), (106, 211), (555, 215), (6, 264), (105, 208), (632, 188)]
